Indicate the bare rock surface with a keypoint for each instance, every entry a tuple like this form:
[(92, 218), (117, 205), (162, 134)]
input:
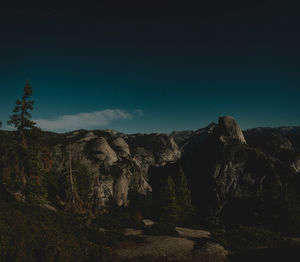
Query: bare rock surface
[(210, 252), (192, 233), (183, 248), (122, 145), (148, 222), (230, 128), (121, 190), (223, 170), (115, 162), (296, 164), (132, 232), (174, 248), (104, 152)]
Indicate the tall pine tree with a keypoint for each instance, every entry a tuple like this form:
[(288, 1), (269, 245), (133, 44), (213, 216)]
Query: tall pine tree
[(21, 117), (28, 164), (168, 203)]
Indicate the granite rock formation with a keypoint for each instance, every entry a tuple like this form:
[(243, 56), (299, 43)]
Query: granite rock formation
[(228, 128), (226, 168), (227, 174), (117, 163)]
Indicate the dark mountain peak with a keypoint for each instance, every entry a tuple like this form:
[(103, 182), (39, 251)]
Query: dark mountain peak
[(227, 128)]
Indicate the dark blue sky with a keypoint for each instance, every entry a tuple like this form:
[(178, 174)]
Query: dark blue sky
[(153, 68)]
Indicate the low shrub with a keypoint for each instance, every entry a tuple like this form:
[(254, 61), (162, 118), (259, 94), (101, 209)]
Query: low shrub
[(30, 233)]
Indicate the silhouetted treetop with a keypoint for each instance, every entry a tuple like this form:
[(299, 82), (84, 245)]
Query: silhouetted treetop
[(21, 117)]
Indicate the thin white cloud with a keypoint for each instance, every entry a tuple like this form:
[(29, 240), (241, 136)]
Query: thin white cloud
[(83, 120)]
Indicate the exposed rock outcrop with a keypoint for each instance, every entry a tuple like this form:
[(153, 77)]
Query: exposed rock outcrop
[(121, 189), (228, 127), (296, 164), (172, 248), (121, 145), (210, 252), (192, 233), (103, 152), (192, 245), (226, 173), (221, 167), (117, 163)]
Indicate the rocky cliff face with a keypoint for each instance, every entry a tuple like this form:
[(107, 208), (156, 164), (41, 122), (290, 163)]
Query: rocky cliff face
[(116, 163), (227, 169), (231, 178), (228, 128), (223, 168)]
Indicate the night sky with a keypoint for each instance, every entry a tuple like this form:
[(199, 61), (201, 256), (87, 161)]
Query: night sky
[(151, 67)]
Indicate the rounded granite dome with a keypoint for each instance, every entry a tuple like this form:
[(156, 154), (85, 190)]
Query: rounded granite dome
[(230, 128)]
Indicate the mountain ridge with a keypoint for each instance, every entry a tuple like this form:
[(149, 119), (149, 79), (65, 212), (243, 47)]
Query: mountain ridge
[(234, 167)]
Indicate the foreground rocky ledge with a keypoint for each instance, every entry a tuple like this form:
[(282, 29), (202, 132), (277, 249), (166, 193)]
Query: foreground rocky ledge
[(191, 245)]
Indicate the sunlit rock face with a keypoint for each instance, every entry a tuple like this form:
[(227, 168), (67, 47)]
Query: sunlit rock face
[(117, 163), (226, 130), (122, 145), (296, 164), (228, 127), (104, 152)]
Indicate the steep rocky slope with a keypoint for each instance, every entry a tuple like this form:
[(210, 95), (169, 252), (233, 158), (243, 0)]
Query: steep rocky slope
[(227, 170), (282, 143), (236, 178), (116, 163)]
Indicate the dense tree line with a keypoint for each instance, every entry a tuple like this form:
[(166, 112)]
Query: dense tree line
[(174, 204)]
